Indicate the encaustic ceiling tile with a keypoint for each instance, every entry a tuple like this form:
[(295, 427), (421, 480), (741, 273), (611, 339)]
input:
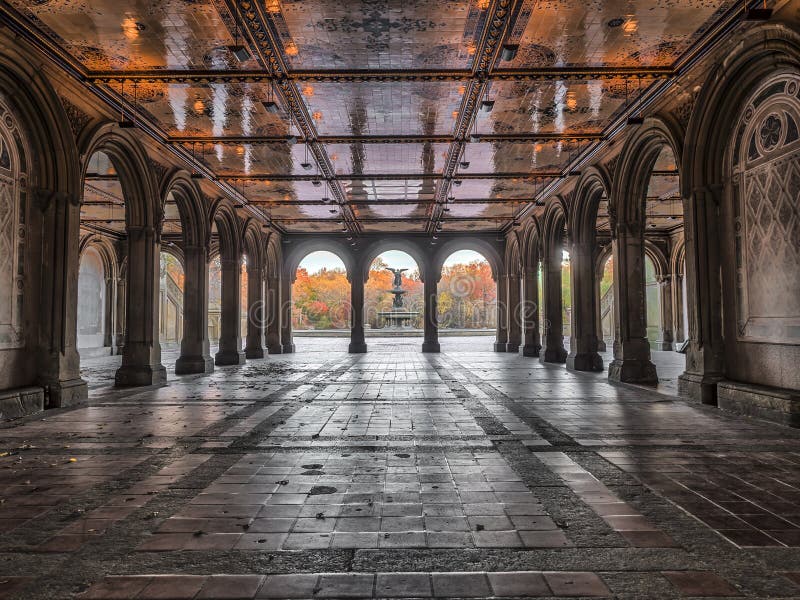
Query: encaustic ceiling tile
[(162, 34), (610, 33), (383, 108), (566, 106), (388, 34), (407, 158), (519, 157), (214, 109)]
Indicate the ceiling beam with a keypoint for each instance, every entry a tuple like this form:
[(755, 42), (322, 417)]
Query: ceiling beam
[(396, 139), (527, 176), (350, 76)]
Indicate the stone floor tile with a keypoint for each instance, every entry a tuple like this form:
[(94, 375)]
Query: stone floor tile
[(230, 587), (518, 583), (700, 583), (172, 587), (295, 585), (460, 585), (345, 585), (403, 585), (576, 584), (114, 587)]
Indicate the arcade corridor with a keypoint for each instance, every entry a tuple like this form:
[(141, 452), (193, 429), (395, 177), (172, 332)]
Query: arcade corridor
[(399, 299), (397, 474)]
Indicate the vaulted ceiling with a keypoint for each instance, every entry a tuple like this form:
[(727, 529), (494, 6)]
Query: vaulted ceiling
[(371, 115)]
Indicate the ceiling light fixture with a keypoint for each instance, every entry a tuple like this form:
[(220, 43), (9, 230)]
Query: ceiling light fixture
[(487, 105), (238, 50), (509, 52)]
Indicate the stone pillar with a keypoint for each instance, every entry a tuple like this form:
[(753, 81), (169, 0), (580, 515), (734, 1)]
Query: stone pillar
[(501, 338), (119, 323), (553, 350), (287, 343), (254, 347), (230, 337), (58, 360), (431, 292), (141, 359), (110, 307), (598, 312), (195, 351), (665, 338), (583, 354), (631, 348), (273, 315), (677, 310), (514, 315), (358, 344), (704, 355), (530, 307)]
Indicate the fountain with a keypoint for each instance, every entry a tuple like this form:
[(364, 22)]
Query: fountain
[(397, 318)]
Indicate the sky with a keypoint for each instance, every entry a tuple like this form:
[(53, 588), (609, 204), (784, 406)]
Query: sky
[(396, 259)]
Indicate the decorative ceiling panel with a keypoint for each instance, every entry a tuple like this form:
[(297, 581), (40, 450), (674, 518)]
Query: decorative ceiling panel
[(374, 159), (392, 211), (158, 34), (516, 188), (277, 191), (383, 108), (214, 109), (395, 226), (519, 157), (382, 34), (610, 33), (389, 189), (490, 210), (488, 225), (565, 106), (278, 158)]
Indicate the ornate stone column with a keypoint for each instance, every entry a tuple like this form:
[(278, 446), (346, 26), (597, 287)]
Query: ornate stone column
[(514, 315), (553, 350), (631, 348), (501, 338), (287, 343), (141, 359), (254, 347), (119, 321), (665, 300), (530, 285), (230, 337), (430, 292), (273, 315), (58, 361), (583, 354), (705, 353), (358, 344), (195, 352), (677, 310)]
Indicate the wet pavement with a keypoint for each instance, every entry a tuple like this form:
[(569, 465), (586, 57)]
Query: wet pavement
[(394, 474)]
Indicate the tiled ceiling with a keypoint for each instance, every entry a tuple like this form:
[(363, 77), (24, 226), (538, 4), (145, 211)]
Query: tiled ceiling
[(378, 125)]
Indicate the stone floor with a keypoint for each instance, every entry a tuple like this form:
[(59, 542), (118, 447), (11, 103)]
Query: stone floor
[(394, 474)]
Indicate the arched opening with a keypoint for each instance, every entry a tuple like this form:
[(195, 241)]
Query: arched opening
[(467, 297), (320, 301), (170, 306), (214, 301), (101, 299), (566, 298), (606, 309), (652, 302), (663, 233), (92, 304), (394, 305)]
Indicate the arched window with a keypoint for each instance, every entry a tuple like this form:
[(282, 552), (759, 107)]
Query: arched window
[(13, 220)]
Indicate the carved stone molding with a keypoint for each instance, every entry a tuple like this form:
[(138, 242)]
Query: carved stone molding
[(78, 119)]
